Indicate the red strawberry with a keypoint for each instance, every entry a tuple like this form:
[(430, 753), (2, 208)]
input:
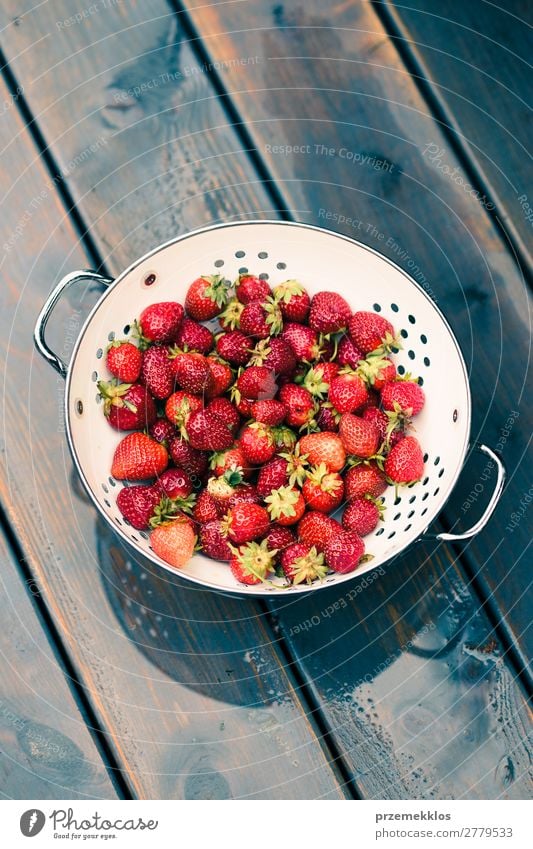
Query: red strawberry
[(261, 319), (344, 552), (257, 443), (279, 538), (364, 479), (245, 522), (214, 542), (301, 407), (228, 490), (318, 378), (257, 382), (253, 563), (378, 419), (227, 411), (205, 509), (232, 459), (230, 317), (316, 529), (208, 432), (303, 341), (329, 312), (206, 297), (285, 505), (323, 490), (271, 476), (234, 347), (376, 371), (160, 322), (175, 483), (407, 394), (174, 541), (269, 412), (369, 331), (361, 516), (162, 431), (179, 408), (127, 406), (348, 354), (327, 417), (358, 436), (138, 457), (347, 392), (156, 372), (221, 377), (405, 463), (284, 438), (124, 361), (274, 353), (244, 406), (137, 504), (324, 448), (194, 337), (186, 457), (302, 563), (192, 372), (293, 300), (249, 288)]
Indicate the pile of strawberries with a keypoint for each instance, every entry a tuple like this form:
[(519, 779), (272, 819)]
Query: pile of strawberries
[(247, 439)]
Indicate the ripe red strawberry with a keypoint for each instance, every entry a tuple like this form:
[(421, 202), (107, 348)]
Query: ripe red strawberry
[(192, 372), (261, 319), (316, 529), (127, 406), (227, 411), (174, 541), (257, 382), (361, 516), (245, 522), (319, 377), (228, 490), (138, 457), (278, 539), (303, 340), (327, 417), (137, 504), (344, 552), (300, 404), (186, 457), (230, 317), (205, 510), (249, 288), (253, 563), (274, 353), (160, 322), (192, 336), (347, 392), (405, 462), (358, 436), (257, 443), (271, 476), (232, 459), (324, 448), (234, 347), (221, 377), (376, 371), (244, 406), (369, 331), (285, 505), (214, 542), (407, 394), (364, 479), (162, 431), (302, 563), (323, 490), (293, 300), (348, 354), (208, 432), (206, 297), (175, 483), (124, 361), (284, 437), (180, 406), (269, 412), (329, 312), (378, 419), (156, 372)]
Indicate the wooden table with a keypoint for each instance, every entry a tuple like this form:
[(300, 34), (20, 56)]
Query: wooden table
[(126, 123)]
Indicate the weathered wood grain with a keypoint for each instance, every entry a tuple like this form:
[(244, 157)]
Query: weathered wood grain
[(173, 734), (329, 84), (47, 751)]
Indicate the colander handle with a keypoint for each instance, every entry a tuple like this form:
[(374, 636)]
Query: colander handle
[(489, 509), (48, 307)]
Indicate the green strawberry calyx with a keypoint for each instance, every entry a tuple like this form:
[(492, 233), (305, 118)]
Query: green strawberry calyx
[(113, 393), (282, 502)]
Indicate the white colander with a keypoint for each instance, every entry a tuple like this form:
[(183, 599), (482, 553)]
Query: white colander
[(277, 251)]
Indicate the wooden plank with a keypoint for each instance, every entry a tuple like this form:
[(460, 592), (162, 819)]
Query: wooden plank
[(227, 724), (346, 133), (440, 596), (47, 749), (477, 58)]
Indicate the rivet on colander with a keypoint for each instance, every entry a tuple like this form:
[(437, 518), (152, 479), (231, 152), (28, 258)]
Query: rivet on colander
[(94, 376), (99, 354), (111, 336), (150, 279), (79, 407), (455, 415)]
